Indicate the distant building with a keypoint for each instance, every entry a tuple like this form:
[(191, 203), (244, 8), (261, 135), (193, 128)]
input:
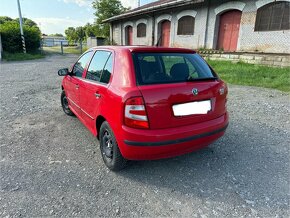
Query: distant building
[(95, 41), (246, 25), (50, 41)]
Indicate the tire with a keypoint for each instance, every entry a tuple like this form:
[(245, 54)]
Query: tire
[(64, 104), (110, 151)]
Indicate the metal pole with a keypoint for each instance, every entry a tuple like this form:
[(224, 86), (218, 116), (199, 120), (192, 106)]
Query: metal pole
[(139, 3), (61, 47), (21, 28), (0, 48)]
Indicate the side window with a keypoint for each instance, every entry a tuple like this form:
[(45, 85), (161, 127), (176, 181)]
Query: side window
[(97, 65), (79, 67), (106, 75)]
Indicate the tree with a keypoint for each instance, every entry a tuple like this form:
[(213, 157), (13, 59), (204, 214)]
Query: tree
[(80, 32), (56, 35), (27, 22), (71, 34), (104, 10), (11, 38), (91, 30), (4, 19)]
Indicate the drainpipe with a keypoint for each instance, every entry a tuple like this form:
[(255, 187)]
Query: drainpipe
[(206, 25), (121, 32), (153, 30), (111, 33)]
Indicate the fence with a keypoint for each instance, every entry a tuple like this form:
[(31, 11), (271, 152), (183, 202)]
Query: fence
[(56, 46)]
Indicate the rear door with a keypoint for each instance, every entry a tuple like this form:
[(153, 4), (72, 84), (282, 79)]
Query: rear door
[(93, 88), (179, 81), (73, 81)]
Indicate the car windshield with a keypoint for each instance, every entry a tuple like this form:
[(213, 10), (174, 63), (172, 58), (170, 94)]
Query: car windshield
[(160, 68)]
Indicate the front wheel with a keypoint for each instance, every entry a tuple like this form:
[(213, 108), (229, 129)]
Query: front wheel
[(64, 104), (110, 150)]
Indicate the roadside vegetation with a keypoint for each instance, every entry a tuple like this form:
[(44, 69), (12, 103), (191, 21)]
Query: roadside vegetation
[(253, 75), (11, 39), (21, 56)]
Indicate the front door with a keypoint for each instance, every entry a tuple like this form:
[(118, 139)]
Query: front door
[(229, 30), (129, 35), (165, 33), (73, 82), (93, 89)]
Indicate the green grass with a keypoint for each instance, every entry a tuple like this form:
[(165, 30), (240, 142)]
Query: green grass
[(253, 75), (21, 56)]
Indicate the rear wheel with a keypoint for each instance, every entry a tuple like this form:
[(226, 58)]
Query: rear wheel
[(64, 104), (110, 149)]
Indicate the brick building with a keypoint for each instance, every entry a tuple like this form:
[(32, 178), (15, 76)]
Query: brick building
[(245, 25)]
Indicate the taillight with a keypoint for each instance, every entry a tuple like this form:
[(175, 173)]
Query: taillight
[(135, 113)]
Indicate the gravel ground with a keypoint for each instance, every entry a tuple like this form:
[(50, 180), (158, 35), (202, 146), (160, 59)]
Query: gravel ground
[(51, 165)]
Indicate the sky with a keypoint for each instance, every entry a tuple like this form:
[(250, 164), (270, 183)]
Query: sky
[(54, 16)]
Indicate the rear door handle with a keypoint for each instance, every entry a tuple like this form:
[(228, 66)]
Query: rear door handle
[(77, 86)]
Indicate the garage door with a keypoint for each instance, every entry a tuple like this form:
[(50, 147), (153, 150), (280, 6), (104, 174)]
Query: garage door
[(229, 30)]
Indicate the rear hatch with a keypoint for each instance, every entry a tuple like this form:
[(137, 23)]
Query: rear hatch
[(178, 89)]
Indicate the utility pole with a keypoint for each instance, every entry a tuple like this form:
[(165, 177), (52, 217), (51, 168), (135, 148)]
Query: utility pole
[(21, 28), (139, 4)]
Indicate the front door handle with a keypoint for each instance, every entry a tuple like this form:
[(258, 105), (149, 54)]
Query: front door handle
[(77, 86), (98, 95)]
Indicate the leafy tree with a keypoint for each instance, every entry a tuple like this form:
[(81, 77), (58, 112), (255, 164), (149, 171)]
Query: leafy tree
[(75, 34), (4, 19), (104, 10), (11, 38), (56, 35), (91, 30), (80, 32), (27, 22), (71, 34)]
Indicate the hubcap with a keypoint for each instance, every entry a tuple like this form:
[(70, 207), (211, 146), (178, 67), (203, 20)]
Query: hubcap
[(107, 145)]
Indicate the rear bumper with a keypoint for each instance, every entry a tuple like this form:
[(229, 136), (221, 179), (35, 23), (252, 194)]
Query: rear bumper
[(136, 144)]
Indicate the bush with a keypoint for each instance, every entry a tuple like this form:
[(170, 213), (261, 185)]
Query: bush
[(11, 37)]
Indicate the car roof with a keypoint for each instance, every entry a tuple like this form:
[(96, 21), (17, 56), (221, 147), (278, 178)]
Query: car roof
[(146, 49)]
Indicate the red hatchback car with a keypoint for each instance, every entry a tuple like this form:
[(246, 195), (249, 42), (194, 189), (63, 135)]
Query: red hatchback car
[(145, 103)]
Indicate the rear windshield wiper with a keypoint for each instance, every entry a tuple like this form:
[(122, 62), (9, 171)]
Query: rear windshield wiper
[(202, 79)]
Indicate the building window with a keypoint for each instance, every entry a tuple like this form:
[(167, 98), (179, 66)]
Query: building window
[(141, 30), (273, 17), (186, 25)]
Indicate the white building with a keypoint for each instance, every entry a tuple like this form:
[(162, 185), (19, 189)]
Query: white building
[(51, 41), (246, 25)]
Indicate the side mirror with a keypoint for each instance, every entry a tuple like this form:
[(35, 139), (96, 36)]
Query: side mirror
[(63, 72)]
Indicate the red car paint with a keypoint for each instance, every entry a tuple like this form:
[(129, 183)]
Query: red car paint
[(93, 102)]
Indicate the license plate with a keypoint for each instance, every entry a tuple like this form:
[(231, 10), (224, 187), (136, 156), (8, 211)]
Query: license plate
[(198, 107)]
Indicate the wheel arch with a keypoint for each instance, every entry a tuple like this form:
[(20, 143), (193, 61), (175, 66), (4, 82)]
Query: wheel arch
[(100, 119)]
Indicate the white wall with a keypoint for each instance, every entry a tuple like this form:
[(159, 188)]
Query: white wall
[(249, 40)]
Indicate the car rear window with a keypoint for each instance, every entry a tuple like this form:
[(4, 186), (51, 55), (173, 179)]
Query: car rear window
[(160, 68)]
